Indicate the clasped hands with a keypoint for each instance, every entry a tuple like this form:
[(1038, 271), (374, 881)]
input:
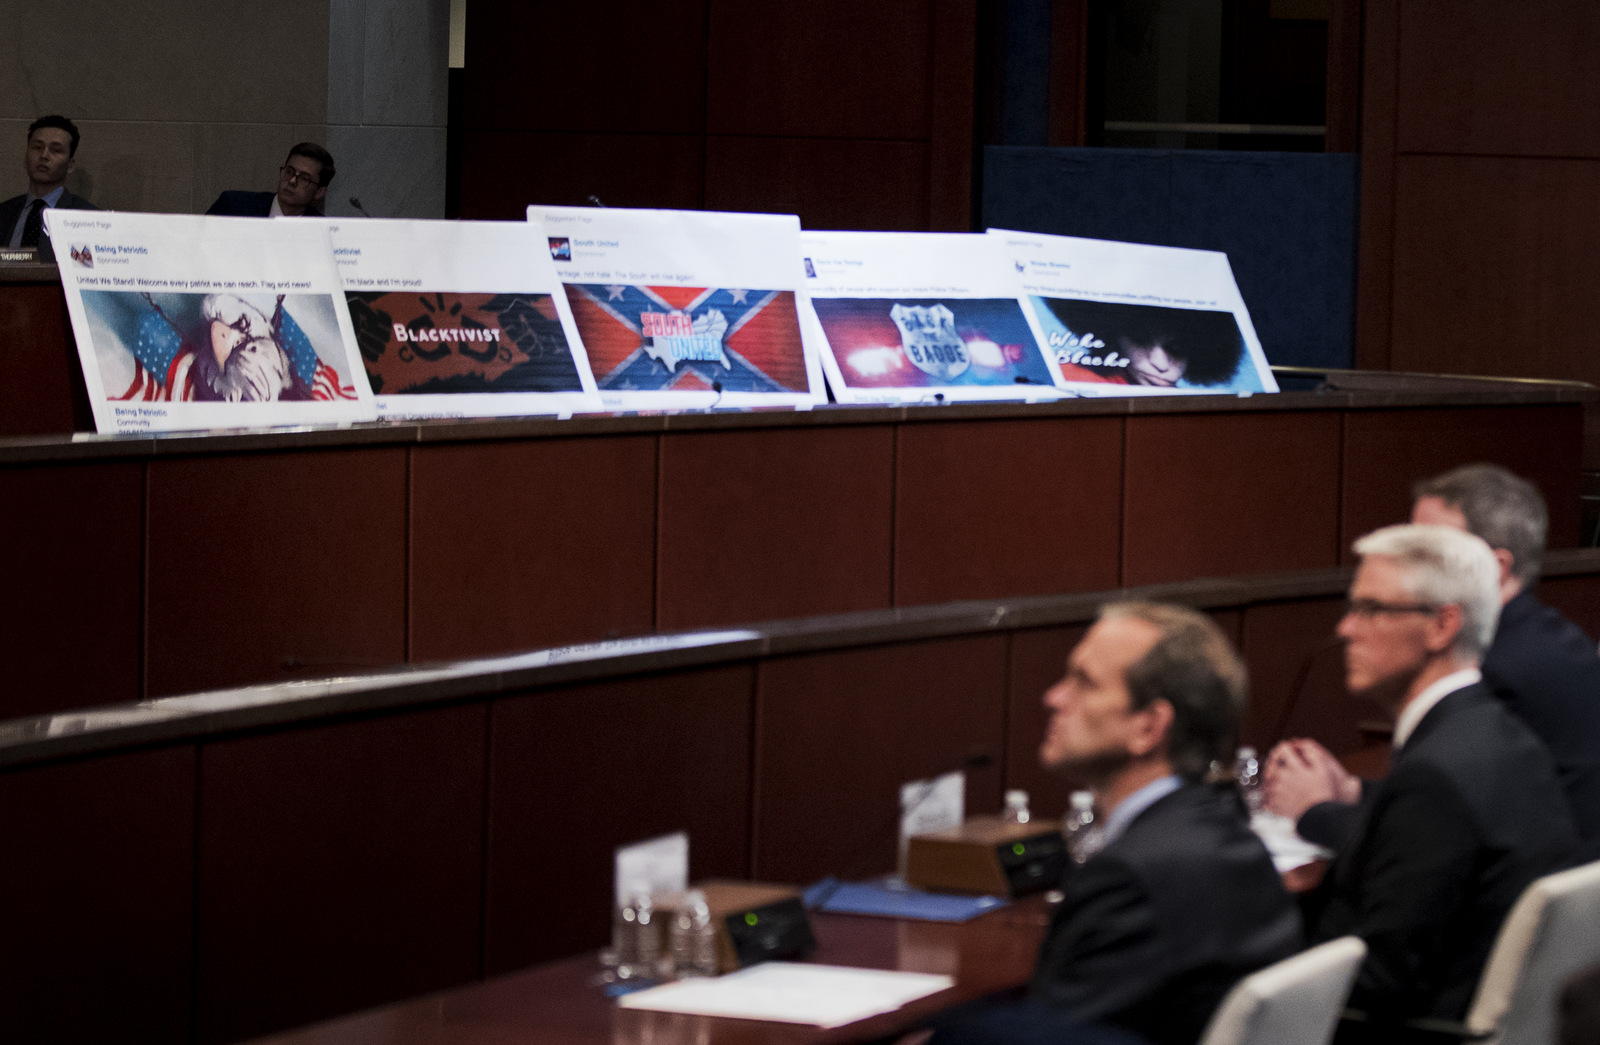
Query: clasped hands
[(1301, 773)]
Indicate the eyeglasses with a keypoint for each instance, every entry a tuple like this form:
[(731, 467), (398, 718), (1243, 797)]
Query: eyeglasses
[(1370, 609), (296, 176)]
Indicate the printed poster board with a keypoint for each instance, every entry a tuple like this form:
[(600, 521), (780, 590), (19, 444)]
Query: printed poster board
[(922, 317), (461, 319), (1135, 319), (187, 322), (686, 309)]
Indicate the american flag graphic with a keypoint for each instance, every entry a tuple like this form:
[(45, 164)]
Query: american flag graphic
[(162, 364), (747, 340)]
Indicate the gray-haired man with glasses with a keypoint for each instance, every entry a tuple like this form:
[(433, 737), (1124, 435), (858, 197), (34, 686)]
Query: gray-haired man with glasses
[(303, 182), (1471, 812)]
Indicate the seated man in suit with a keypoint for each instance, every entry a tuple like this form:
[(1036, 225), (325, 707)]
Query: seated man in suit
[(1183, 900), (303, 182), (52, 145), (1470, 814), (1541, 665)]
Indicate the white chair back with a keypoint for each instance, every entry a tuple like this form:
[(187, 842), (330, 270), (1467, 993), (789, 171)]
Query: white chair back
[(1552, 932), (1297, 1000)]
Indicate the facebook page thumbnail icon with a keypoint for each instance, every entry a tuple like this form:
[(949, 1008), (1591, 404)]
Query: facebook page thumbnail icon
[(560, 248)]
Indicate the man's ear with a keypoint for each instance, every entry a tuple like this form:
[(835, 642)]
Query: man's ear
[(322, 194), (1151, 727), (1444, 627)]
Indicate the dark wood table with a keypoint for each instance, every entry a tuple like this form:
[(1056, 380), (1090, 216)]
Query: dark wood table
[(562, 1004)]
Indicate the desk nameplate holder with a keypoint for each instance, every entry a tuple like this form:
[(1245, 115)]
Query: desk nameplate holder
[(990, 856)]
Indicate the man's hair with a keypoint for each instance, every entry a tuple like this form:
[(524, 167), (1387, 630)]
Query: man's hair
[(60, 123), (313, 151), (1194, 668), (1505, 510), (1445, 567)]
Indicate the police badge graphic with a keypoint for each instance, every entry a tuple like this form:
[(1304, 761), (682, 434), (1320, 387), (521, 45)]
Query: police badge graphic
[(928, 334)]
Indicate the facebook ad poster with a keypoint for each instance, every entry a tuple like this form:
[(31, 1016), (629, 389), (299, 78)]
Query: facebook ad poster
[(686, 309), (461, 319), (922, 317), (1134, 319), (205, 323)]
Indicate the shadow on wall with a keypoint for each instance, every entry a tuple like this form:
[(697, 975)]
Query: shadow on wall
[(1287, 222)]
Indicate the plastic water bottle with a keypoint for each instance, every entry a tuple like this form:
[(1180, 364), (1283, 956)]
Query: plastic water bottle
[(1247, 774), (1016, 811), (693, 939), (635, 937), (1085, 836)]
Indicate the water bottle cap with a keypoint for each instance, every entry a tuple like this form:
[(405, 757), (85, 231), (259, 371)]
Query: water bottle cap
[(1246, 752), (1016, 799), (1083, 800)]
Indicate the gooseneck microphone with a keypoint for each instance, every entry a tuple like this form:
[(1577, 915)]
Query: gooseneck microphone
[(357, 205)]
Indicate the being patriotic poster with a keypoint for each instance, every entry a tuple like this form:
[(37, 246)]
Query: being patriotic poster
[(921, 317), (461, 319), (686, 309), (187, 322), (1134, 319)]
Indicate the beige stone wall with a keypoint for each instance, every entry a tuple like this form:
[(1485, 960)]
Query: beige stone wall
[(180, 99)]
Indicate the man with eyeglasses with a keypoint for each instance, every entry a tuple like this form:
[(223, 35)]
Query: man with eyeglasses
[(1471, 812), (303, 182), (1541, 665)]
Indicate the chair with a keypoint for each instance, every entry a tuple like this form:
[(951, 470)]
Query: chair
[(1297, 1000), (1552, 932)]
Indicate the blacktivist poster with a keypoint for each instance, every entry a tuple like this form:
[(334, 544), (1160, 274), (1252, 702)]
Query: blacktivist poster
[(921, 317), (187, 322), (461, 319), (1134, 319), (686, 309)]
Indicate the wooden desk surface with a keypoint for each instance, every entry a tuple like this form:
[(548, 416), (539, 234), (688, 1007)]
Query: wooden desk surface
[(559, 1003)]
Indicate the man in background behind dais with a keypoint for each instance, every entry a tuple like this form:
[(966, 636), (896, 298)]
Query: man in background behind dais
[(1183, 899), (49, 158), (303, 182)]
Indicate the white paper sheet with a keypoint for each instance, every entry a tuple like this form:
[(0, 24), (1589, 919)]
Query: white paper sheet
[(1288, 849), (187, 322), (1134, 319), (461, 319), (922, 317), (655, 867), (792, 992), (687, 309)]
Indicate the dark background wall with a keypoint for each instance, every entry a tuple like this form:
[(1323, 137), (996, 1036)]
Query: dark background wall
[(852, 115), (1480, 232)]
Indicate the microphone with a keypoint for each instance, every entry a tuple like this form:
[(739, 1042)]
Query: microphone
[(595, 200), (357, 205), (977, 760), (716, 386)]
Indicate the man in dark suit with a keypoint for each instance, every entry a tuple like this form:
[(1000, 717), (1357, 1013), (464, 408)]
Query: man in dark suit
[(303, 182), (1541, 665), (52, 146), (1471, 812), (1183, 900)]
